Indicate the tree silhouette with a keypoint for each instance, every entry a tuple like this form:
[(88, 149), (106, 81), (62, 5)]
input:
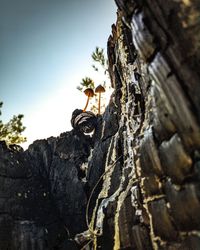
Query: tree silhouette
[(11, 131), (99, 56), (86, 82)]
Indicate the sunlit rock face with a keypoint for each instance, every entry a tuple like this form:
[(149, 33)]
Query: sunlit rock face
[(146, 160), (133, 184)]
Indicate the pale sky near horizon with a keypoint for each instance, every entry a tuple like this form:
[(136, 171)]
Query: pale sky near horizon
[(46, 48)]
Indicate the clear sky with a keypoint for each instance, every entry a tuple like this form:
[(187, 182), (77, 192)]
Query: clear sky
[(46, 48)]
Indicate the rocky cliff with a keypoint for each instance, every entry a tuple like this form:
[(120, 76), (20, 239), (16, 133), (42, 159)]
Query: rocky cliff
[(135, 183), (42, 196)]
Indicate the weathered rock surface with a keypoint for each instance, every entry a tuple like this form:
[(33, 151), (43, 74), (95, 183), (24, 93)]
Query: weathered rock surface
[(42, 198), (142, 164), (149, 198)]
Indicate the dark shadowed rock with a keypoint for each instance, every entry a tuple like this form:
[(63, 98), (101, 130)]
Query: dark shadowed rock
[(42, 198), (84, 122)]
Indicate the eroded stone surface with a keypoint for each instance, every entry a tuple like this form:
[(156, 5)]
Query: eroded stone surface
[(42, 198), (144, 154)]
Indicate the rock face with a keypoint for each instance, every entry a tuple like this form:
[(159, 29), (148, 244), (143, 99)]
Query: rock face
[(42, 197), (141, 186), (149, 198)]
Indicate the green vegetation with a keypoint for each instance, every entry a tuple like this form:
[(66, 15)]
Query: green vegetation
[(11, 131), (85, 83), (99, 58)]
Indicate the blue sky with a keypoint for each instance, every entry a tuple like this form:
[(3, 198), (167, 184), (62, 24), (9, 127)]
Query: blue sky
[(46, 48)]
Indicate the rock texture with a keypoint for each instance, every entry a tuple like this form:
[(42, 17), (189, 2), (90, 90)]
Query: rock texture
[(42, 196), (135, 183), (149, 195)]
